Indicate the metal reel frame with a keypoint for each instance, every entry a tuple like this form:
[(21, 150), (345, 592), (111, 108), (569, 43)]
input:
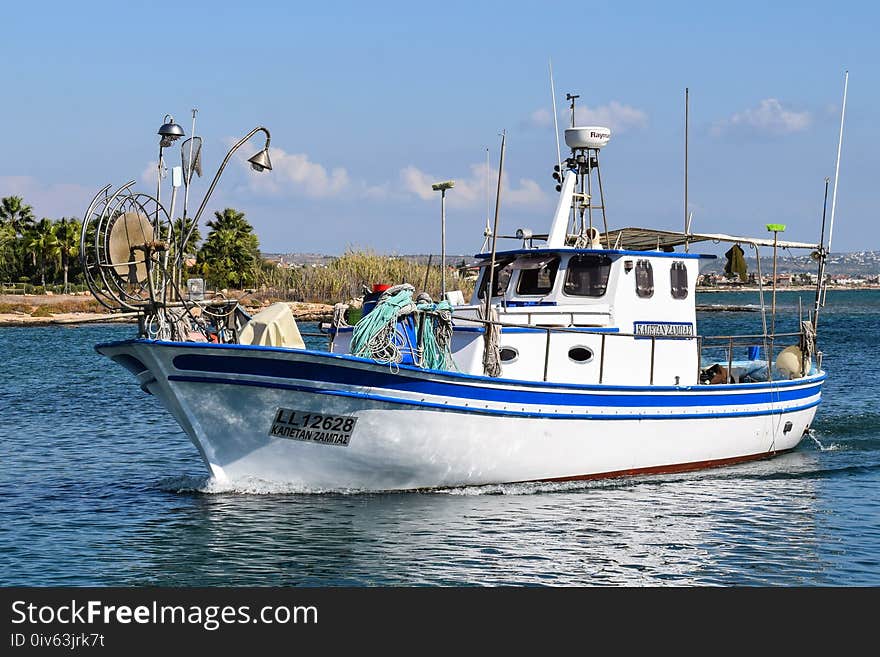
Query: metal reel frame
[(109, 287)]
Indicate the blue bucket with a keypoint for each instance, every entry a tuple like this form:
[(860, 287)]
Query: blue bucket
[(405, 338), (370, 301)]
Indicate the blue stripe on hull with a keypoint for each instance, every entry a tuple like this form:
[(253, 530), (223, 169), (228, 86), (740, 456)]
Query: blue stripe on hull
[(335, 373), (471, 379), (483, 411)]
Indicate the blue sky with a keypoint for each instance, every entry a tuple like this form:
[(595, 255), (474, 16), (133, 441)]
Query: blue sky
[(368, 103)]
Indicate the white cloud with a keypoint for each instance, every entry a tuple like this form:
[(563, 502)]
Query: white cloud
[(614, 115), (148, 175), (53, 200), (471, 190), (769, 117), (297, 172), (541, 117)]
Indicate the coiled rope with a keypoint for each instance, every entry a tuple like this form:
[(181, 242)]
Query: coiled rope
[(378, 334)]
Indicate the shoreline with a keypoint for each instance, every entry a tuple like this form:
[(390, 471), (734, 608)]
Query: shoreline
[(302, 311), (789, 288), (76, 310)]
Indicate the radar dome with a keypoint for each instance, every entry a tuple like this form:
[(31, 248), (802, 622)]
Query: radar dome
[(587, 137)]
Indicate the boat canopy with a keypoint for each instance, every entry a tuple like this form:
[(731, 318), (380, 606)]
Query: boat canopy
[(649, 239)]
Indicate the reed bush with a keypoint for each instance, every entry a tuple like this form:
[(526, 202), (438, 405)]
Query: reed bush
[(9, 308), (350, 275)]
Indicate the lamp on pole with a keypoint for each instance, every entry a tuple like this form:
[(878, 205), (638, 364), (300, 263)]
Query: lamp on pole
[(442, 187), (169, 132), (259, 163)]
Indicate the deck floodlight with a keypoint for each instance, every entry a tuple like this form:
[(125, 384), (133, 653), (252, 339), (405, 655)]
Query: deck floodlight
[(442, 187), (169, 132), (261, 162)]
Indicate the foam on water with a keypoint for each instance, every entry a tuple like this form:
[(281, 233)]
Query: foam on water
[(208, 485), (536, 487)]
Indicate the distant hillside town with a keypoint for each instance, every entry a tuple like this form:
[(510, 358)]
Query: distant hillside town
[(856, 269)]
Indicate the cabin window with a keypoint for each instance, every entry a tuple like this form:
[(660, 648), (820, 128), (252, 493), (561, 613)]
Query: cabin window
[(500, 279), (536, 275), (644, 279), (679, 280), (580, 354), (587, 275), (509, 355)]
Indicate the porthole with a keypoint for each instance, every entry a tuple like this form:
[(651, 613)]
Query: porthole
[(580, 354), (509, 355)]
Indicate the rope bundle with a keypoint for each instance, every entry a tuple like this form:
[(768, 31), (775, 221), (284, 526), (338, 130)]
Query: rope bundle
[(378, 334)]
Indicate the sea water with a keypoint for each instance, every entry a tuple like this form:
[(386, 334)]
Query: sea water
[(99, 486)]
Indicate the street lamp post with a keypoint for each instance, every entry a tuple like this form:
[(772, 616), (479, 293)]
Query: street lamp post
[(442, 187)]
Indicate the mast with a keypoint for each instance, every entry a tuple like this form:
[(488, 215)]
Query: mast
[(686, 117), (555, 118), (821, 255), (490, 365), (837, 166)]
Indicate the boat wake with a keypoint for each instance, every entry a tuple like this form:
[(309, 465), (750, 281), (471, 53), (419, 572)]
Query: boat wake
[(208, 485), (535, 487), (822, 448)]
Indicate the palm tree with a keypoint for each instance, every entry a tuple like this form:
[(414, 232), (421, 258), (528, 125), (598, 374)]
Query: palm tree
[(19, 218), (7, 251), (67, 234), (41, 243), (14, 212), (230, 255), (181, 229)]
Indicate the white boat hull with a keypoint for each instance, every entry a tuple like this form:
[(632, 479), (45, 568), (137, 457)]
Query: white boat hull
[(417, 429)]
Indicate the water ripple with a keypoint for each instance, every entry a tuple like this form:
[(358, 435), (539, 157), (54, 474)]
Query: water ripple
[(100, 487)]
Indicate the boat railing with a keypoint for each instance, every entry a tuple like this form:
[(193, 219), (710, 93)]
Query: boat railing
[(702, 343)]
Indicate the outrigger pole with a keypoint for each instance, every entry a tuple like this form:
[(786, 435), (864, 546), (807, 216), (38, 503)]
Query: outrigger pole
[(823, 253), (837, 166), (821, 256), (490, 365)]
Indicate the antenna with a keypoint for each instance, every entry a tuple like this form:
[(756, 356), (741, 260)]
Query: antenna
[(572, 98), (837, 167), (555, 118), (488, 230), (488, 197), (188, 177), (686, 117)]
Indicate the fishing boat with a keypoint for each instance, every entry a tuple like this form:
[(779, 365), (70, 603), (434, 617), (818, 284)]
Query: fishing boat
[(578, 356)]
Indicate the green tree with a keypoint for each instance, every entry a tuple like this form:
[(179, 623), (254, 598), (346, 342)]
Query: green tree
[(15, 213), (230, 255), (7, 252), (67, 235), (41, 243), (19, 218), (181, 229)]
